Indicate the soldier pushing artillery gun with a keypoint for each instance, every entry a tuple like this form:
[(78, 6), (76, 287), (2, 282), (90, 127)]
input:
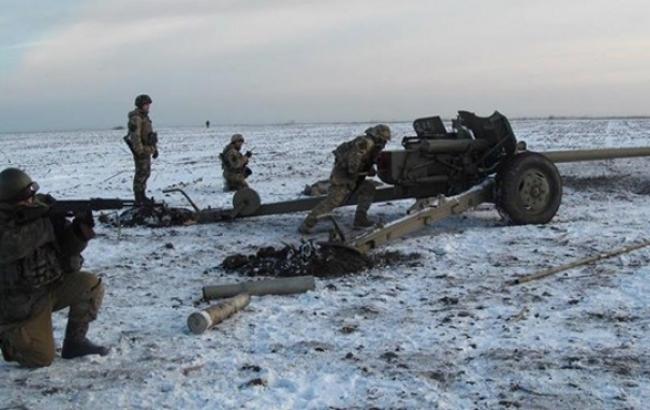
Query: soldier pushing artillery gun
[(353, 162)]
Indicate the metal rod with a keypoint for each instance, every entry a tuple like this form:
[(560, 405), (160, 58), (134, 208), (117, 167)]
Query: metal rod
[(182, 192), (277, 286), (596, 154), (581, 262), (411, 223)]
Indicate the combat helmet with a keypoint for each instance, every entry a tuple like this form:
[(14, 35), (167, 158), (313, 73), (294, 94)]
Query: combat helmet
[(16, 185), (380, 132), (142, 99), (236, 138)]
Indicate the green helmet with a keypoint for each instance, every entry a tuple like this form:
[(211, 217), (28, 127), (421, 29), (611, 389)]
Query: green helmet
[(16, 185), (142, 99), (236, 138), (380, 132)]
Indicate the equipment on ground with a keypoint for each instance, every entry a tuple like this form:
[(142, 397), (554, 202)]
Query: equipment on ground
[(479, 160), (200, 321), (71, 208), (278, 286)]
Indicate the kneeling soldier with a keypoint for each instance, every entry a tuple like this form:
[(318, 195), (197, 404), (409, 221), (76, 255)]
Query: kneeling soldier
[(40, 262), (354, 161), (235, 164)]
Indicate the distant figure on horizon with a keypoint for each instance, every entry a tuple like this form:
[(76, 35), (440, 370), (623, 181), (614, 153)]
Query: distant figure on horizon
[(207, 124)]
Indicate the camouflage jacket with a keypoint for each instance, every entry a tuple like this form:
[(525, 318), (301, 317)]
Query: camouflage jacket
[(35, 252), (232, 160), (352, 160), (141, 137)]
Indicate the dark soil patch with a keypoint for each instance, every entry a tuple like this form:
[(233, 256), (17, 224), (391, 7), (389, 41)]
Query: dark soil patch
[(320, 260), (158, 216)]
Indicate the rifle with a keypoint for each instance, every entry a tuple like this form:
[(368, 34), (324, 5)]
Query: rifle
[(71, 208)]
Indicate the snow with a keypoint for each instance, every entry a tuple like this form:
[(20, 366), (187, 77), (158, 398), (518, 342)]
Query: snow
[(445, 333)]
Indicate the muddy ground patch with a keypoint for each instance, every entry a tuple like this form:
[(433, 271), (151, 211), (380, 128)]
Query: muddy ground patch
[(316, 259)]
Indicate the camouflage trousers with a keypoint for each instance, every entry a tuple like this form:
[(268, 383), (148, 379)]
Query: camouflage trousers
[(234, 181), (31, 342), (338, 194), (142, 174)]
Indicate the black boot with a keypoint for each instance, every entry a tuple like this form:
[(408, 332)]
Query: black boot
[(361, 220), (139, 198), (76, 344), (5, 352)]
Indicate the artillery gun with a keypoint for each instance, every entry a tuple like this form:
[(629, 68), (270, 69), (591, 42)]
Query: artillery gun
[(528, 186), (447, 173)]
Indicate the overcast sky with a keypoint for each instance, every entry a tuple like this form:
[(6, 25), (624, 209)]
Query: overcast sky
[(71, 64)]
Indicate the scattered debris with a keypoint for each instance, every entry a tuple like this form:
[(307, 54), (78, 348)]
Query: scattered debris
[(254, 382), (157, 216), (310, 258)]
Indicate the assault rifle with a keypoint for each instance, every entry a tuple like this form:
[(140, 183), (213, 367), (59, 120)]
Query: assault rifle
[(70, 208)]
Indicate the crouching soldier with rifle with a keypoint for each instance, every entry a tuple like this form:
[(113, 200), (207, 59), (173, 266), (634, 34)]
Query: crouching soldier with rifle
[(40, 272)]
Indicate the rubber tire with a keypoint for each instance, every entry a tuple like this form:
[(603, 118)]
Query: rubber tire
[(508, 185), (247, 200)]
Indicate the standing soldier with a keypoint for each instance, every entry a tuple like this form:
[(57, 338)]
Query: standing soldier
[(353, 162), (143, 142), (235, 164), (40, 262)]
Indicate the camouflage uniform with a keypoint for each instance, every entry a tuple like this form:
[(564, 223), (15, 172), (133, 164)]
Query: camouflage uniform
[(143, 143), (233, 163), (40, 261), (354, 160)]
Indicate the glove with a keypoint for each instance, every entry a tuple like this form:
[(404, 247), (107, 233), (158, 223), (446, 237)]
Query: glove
[(247, 172), (248, 154), (155, 153)]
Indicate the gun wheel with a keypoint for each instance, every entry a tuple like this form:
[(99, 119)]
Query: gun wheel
[(529, 189), (246, 202)]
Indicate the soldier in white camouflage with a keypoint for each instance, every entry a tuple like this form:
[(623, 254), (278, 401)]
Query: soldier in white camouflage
[(354, 161), (235, 164), (143, 143)]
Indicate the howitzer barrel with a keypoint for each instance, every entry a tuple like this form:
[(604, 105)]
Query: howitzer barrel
[(281, 286), (596, 154), (199, 322)]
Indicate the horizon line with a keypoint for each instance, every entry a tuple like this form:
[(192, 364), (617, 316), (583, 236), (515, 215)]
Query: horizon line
[(290, 123)]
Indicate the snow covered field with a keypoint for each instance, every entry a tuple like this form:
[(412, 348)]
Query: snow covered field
[(442, 333)]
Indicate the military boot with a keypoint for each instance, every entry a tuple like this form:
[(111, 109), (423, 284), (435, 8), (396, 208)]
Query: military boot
[(140, 198), (6, 353), (306, 227), (76, 344), (361, 220)]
